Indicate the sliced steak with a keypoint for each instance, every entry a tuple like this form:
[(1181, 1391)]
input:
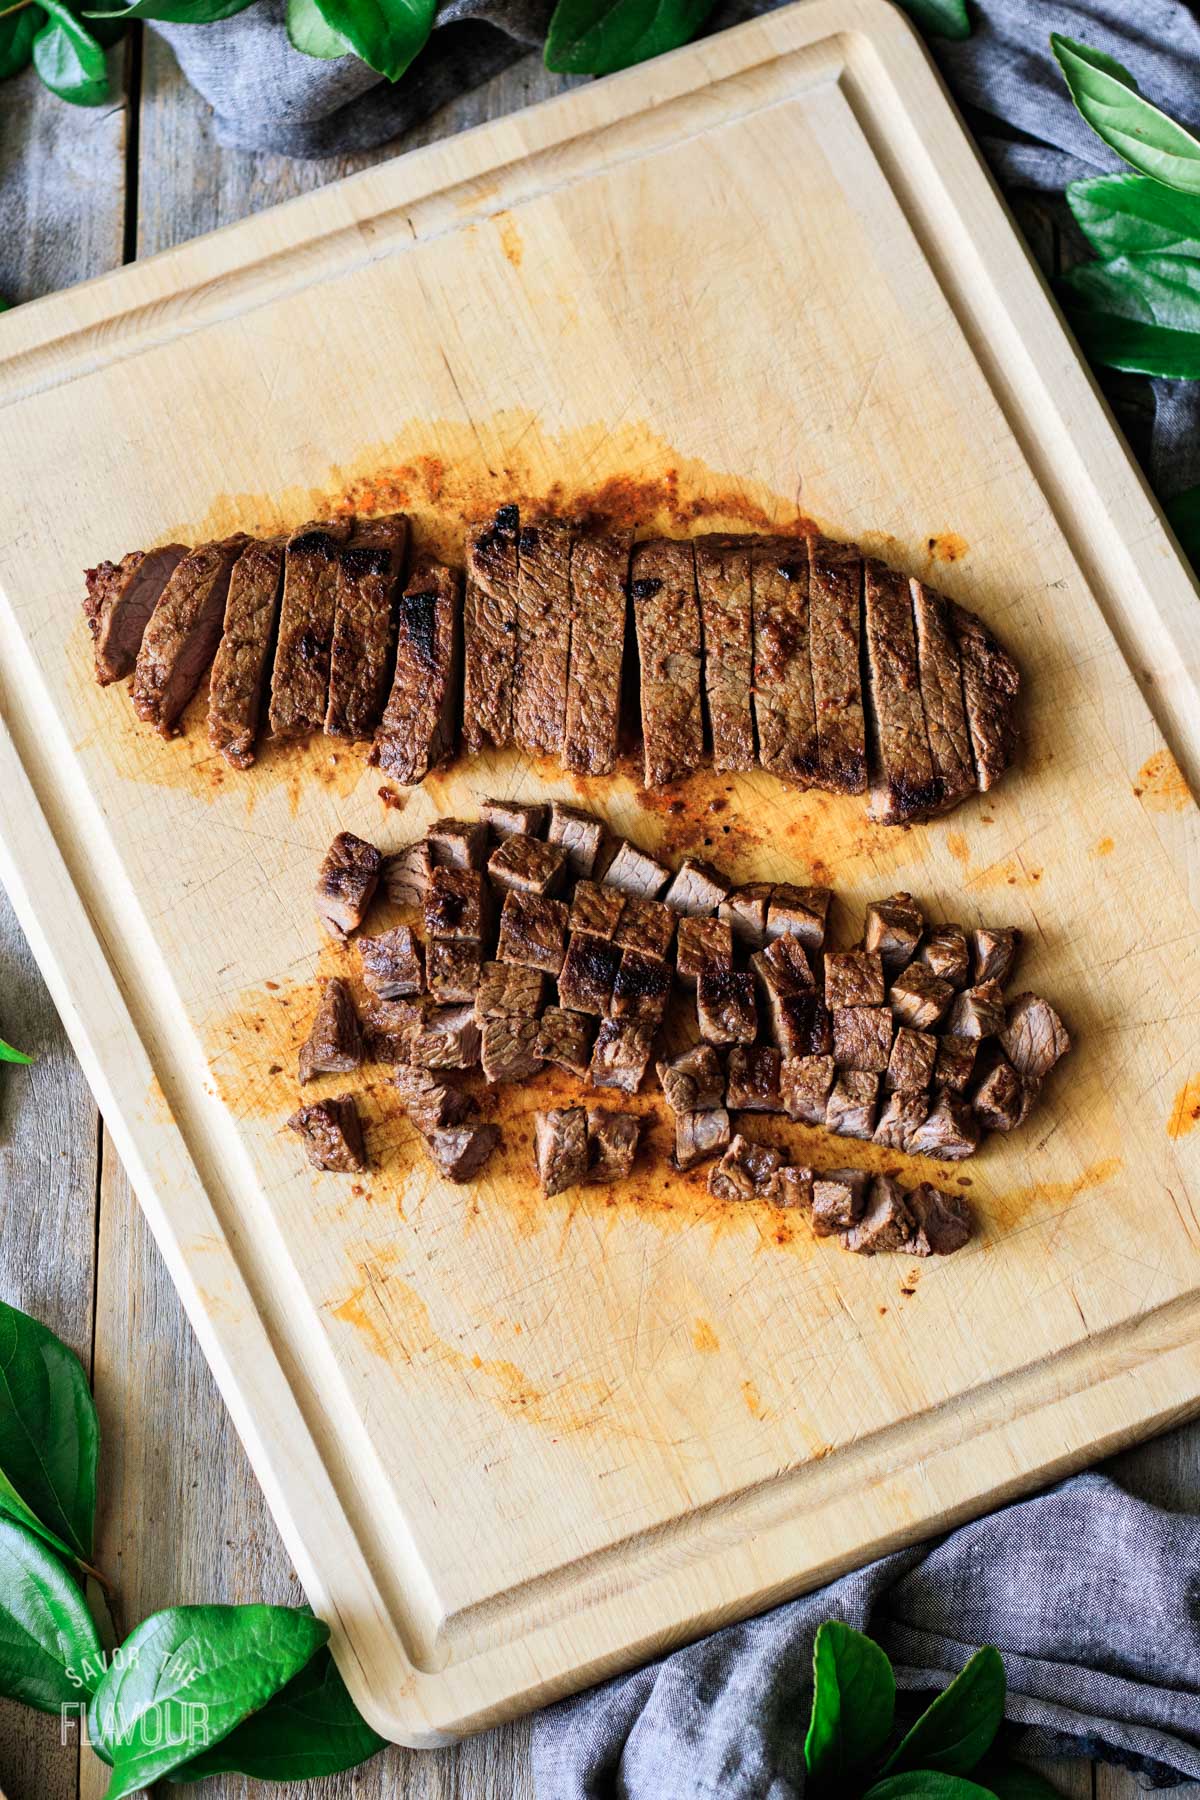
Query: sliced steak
[(951, 1132), (893, 931), (419, 727), (332, 1135), (990, 683), (804, 1084), (389, 1027), (589, 972), (346, 883), (300, 678), (1034, 1037), (784, 711), (239, 672), (726, 613), (955, 1063), (904, 782), (942, 1222), (753, 1079), (596, 908), (454, 967), (364, 626), (457, 843), (391, 963), (119, 601), (901, 1116), (508, 1049), (406, 874), (1000, 1099), (490, 630), (913, 1060), (745, 1172), (862, 1037), (886, 1224), (645, 925), (854, 978), (506, 817), (940, 673), (700, 941), (456, 904), (579, 835), (977, 1012), (853, 1100), (612, 1144), (539, 707), (635, 872), (945, 954), (745, 912), (792, 1187), (667, 617), (994, 952), (620, 1054), (803, 912), (919, 998), (447, 1038), (599, 593), (565, 1039), (642, 988), (182, 635), (509, 991), (533, 932), (560, 1147), (696, 888), (430, 1103), (334, 1043), (839, 1196), (528, 864), (835, 598), (783, 967), (699, 1135), (800, 1024), (459, 1152), (725, 1005), (694, 1081)]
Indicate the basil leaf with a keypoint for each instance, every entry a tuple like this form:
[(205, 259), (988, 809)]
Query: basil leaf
[(49, 1650), (1131, 215), (386, 34), (68, 59), (308, 32), (1010, 1780), (1120, 343), (854, 1703), (926, 1784), (7, 1053), (597, 37), (311, 1728), (1184, 514), (1109, 99), (49, 1435), (941, 18), (176, 12), (1139, 313), (960, 1725), (186, 1677), (17, 33)]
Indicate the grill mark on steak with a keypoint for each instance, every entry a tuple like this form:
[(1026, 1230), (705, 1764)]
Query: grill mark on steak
[(239, 671), (364, 626), (667, 617), (490, 630), (835, 600), (599, 592), (724, 591), (539, 708), (939, 670), (120, 599), (783, 684), (184, 630), (420, 721), (300, 680), (904, 784), (990, 683)]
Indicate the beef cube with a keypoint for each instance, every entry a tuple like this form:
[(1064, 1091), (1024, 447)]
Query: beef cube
[(745, 912), (753, 1079), (999, 1100), (543, 636), (460, 1151), (565, 1039), (599, 589), (854, 978), (993, 953), (900, 1118), (693, 1081), (699, 1135), (332, 1135), (612, 1144), (455, 904), (700, 941), (666, 615), (696, 888), (447, 1038), (454, 966), (406, 874), (804, 1084), (596, 908), (589, 974), (508, 1049), (334, 1043), (834, 595), (620, 1054), (635, 872), (300, 677), (364, 626), (578, 834), (801, 912), (783, 967), (646, 925), (527, 864), (533, 932), (431, 1104), (852, 1104), (942, 1222), (514, 818), (940, 671), (951, 1131), (800, 1024), (490, 630), (723, 586), (457, 843), (746, 1170), (120, 599), (509, 991), (792, 1187), (181, 637), (1033, 1038), (913, 1060), (725, 1005), (389, 1027), (893, 931), (955, 1063), (239, 671), (346, 883), (642, 988), (862, 1037), (944, 953), (419, 727), (919, 998), (783, 688), (990, 683), (977, 1012), (886, 1223), (391, 963), (904, 783), (839, 1196)]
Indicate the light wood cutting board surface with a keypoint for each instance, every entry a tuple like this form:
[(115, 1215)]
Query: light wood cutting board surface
[(513, 1443)]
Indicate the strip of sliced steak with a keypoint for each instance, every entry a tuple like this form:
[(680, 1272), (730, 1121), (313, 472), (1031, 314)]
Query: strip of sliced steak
[(667, 616), (700, 941), (599, 593), (993, 953), (543, 637), (560, 1147), (726, 612), (725, 1005), (699, 1135), (886, 1223), (784, 711), (506, 817), (490, 630), (457, 843), (508, 1049), (804, 1084), (589, 973), (852, 1104), (835, 598), (694, 1081), (945, 954), (612, 1144), (334, 1043), (635, 872), (943, 1222), (509, 991), (746, 1171), (579, 834), (1034, 1037), (620, 1054), (753, 1079), (346, 883), (951, 1132), (419, 727), (300, 680), (940, 672), (990, 683), (839, 1196), (460, 1151), (332, 1135), (900, 1117), (528, 864), (364, 625), (696, 888), (119, 601), (454, 966), (533, 932), (596, 908), (645, 925), (893, 931), (181, 638), (391, 963), (565, 1039), (244, 653), (447, 1038), (904, 783)]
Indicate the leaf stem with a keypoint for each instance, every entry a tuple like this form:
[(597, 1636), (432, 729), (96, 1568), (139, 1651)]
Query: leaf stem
[(19, 7)]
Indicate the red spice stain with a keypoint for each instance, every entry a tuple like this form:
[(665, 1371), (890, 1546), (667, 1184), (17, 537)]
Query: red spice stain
[(1160, 785), (1185, 1112), (753, 1399), (947, 547), (1007, 871), (511, 241), (704, 1337), (1104, 847)]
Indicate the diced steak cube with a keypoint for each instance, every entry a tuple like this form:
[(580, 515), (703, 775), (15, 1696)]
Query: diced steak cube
[(862, 1037), (804, 1084), (599, 590), (642, 987), (612, 1144), (918, 997), (745, 912), (801, 912), (543, 636), (346, 883), (635, 872), (565, 1039), (854, 978), (447, 1038), (950, 1133), (430, 1103), (723, 586), (1034, 1037), (406, 874), (852, 1104), (693, 1081), (239, 671), (364, 626), (181, 637), (455, 904), (332, 1135), (945, 954), (460, 1151), (993, 953), (700, 941), (940, 671), (509, 991), (696, 888), (120, 599), (904, 784), (666, 614), (999, 1100), (533, 932), (596, 908), (886, 1223), (834, 593), (977, 1012), (577, 833), (955, 1063), (839, 1196), (753, 1079), (589, 974), (746, 1170), (783, 688), (490, 630), (913, 1060), (699, 1135), (391, 963), (454, 966), (620, 1054), (725, 1005), (334, 1043), (419, 727), (783, 967), (799, 1024), (942, 1222), (508, 1049), (300, 678), (792, 1186), (529, 864), (893, 931), (514, 818), (900, 1118), (645, 925), (457, 843), (389, 1027), (990, 683)]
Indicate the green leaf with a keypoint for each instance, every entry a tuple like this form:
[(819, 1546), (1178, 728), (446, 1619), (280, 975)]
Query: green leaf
[(17, 33), (387, 34), (1131, 215), (185, 1678), (854, 1703), (311, 1728), (308, 32), (1184, 514), (926, 1784), (1139, 313), (175, 12), (961, 1724), (68, 59), (1010, 1780), (49, 1650), (596, 37), (49, 1435), (7, 1053), (940, 18), (1111, 102), (1139, 349)]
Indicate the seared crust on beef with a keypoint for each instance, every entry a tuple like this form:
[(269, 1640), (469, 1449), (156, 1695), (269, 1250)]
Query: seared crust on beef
[(667, 616), (332, 1135), (539, 708), (723, 589), (334, 1042), (835, 593), (490, 630), (699, 1135), (346, 883), (1034, 1037), (701, 941), (940, 671), (784, 711), (620, 1054), (300, 680), (804, 1084), (565, 1039), (693, 1081), (369, 568), (460, 1151), (990, 683), (599, 589), (753, 1079), (119, 601), (181, 638), (904, 784), (240, 669), (612, 1144), (560, 1147), (419, 726)]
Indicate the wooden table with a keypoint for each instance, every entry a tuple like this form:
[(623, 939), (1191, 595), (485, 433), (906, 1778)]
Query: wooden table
[(181, 1518)]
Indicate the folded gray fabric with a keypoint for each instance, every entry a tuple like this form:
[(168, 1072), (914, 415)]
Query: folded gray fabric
[(1092, 1598)]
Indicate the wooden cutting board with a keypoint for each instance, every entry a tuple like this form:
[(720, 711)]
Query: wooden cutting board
[(514, 1444)]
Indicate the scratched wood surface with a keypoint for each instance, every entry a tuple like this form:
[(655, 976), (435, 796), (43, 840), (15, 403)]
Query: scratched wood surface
[(182, 1517)]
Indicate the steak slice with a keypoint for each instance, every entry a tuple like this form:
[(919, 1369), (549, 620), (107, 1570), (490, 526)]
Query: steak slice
[(1034, 1037), (334, 1043), (509, 991), (799, 1024), (901, 1116), (240, 669), (599, 594), (446, 1038), (596, 908), (612, 1144), (389, 1027), (419, 726), (645, 925), (560, 1147), (893, 931), (431, 1104), (701, 941), (528, 864), (460, 1151), (391, 963), (990, 683), (945, 954), (635, 872), (490, 630), (508, 1049), (579, 834), (693, 1081), (699, 1135), (642, 988), (862, 1038), (753, 1079), (364, 625), (913, 1060), (746, 1171), (454, 966), (951, 1131), (942, 1222), (300, 679), (406, 874), (332, 1135), (850, 1111), (854, 978), (801, 911), (181, 638), (539, 707), (993, 953), (514, 817), (1000, 1099), (783, 967), (939, 670), (834, 604), (839, 1196), (667, 617), (955, 1063), (792, 1187), (904, 783), (457, 843), (346, 883), (784, 710), (620, 1054), (745, 912), (723, 589), (886, 1223), (919, 998), (456, 903), (804, 1084), (977, 1012), (725, 1005), (565, 1039), (119, 601), (696, 888), (588, 974), (533, 932)]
